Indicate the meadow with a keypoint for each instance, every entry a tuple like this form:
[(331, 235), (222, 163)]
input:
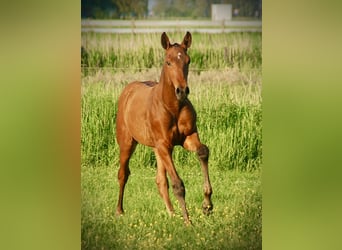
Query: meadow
[(225, 89)]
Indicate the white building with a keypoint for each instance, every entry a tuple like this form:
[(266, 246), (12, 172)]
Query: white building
[(221, 12)]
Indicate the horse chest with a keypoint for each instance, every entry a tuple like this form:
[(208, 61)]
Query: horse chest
[(175, 135)]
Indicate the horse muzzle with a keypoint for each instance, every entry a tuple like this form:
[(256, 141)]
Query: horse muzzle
[(182, 93)]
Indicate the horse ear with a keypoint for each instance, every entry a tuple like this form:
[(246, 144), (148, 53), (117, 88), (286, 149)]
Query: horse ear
[(165, 41), (187, 40)]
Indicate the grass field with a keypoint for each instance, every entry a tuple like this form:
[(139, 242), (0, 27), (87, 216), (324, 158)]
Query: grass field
[(225, 89), (215, 51)]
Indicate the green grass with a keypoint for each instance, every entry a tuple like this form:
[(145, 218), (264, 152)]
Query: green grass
[(234, 224), (229, 122), (228, 103), (143, 51)]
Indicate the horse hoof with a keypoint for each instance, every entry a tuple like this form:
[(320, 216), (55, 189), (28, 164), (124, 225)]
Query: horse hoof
[(207, 209), (119, 213), (188, 223)]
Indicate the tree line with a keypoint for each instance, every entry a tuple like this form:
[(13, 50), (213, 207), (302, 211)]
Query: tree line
[(138, 9)]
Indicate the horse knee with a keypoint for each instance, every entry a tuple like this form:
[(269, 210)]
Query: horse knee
[(179, 189), (203, 152)]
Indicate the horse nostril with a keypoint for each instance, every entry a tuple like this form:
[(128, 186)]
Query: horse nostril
[(187, 90), (178, 90)]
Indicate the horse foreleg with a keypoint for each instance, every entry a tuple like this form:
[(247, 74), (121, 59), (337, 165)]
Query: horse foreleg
[(203, 155), (163, 184), (165, 156), (192, 143)]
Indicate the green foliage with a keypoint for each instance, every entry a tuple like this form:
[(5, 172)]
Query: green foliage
[(161, 8), (131, 8), (97, 126)]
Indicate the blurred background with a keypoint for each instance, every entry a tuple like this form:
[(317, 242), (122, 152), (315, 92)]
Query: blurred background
[(149, 16), (151, 9)]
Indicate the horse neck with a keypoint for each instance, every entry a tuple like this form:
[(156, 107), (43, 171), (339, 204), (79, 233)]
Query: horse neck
[(167, 93)]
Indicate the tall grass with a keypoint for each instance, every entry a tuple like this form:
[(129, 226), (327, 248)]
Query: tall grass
[(137, 51), (225, 82), (229, 122)]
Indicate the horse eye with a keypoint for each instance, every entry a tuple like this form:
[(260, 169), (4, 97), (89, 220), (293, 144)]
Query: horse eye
[(168, 63)]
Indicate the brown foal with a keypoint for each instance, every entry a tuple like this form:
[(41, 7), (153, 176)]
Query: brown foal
[(160, 115)]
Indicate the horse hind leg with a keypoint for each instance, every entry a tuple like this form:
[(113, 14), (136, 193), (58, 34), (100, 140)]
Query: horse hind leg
[(125, 153), (192, 143)]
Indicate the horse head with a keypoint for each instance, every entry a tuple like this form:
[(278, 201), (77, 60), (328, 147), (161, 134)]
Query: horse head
[(176, 64)]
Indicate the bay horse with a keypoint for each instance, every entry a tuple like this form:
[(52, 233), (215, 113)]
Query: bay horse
[(160, 115)]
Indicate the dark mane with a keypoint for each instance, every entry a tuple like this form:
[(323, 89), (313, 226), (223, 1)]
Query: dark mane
[(149, 83)]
